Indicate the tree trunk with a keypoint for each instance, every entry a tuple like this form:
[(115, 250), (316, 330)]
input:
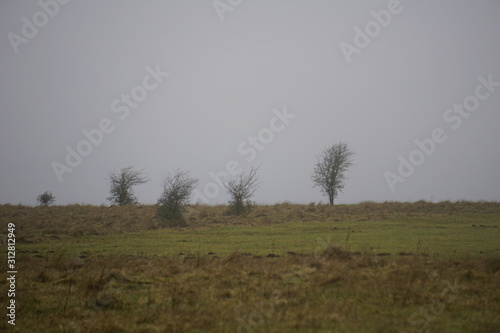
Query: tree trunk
[(331, 200)]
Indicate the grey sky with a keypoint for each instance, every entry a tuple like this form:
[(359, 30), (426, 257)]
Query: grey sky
[(225, 79)]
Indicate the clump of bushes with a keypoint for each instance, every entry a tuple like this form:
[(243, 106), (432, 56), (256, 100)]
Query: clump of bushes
[(177, 188)]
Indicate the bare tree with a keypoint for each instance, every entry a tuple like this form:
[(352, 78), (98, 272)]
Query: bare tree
[(329, 171), (122, 183), (241, 188), (177, 188), (46, 199)]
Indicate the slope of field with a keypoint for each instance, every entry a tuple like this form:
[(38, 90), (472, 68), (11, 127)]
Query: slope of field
[(442, 228), (387, 267)]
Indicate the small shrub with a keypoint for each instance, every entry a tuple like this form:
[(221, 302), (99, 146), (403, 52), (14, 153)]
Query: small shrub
[(122, 183), (46, 199), (177, 189), (241, 189)]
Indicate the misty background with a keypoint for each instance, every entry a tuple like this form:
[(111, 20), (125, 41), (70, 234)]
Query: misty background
[(225, 79)]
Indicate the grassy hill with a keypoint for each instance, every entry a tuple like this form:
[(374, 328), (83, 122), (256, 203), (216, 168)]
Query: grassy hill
[(441, 228), (370, 267)]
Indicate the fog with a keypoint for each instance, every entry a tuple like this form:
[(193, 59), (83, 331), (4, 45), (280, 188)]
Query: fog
[(88, 87)]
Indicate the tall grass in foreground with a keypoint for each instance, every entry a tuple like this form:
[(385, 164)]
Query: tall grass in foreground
[(331, 291)]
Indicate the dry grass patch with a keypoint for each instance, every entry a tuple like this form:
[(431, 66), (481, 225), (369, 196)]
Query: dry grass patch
[(334, 290)]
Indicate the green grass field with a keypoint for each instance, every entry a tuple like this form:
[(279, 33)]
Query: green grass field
[(444, 236), (370, 267)]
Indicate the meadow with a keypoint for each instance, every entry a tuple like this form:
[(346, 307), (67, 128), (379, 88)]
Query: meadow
[(368, 267)]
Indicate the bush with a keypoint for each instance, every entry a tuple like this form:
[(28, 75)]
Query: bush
[(241, 189), (122, 183), (177, 189), (46, 199)]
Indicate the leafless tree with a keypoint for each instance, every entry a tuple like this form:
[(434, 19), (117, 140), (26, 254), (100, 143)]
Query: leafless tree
[(177, 188), (241, 188), (122, 183), (330, 170)]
